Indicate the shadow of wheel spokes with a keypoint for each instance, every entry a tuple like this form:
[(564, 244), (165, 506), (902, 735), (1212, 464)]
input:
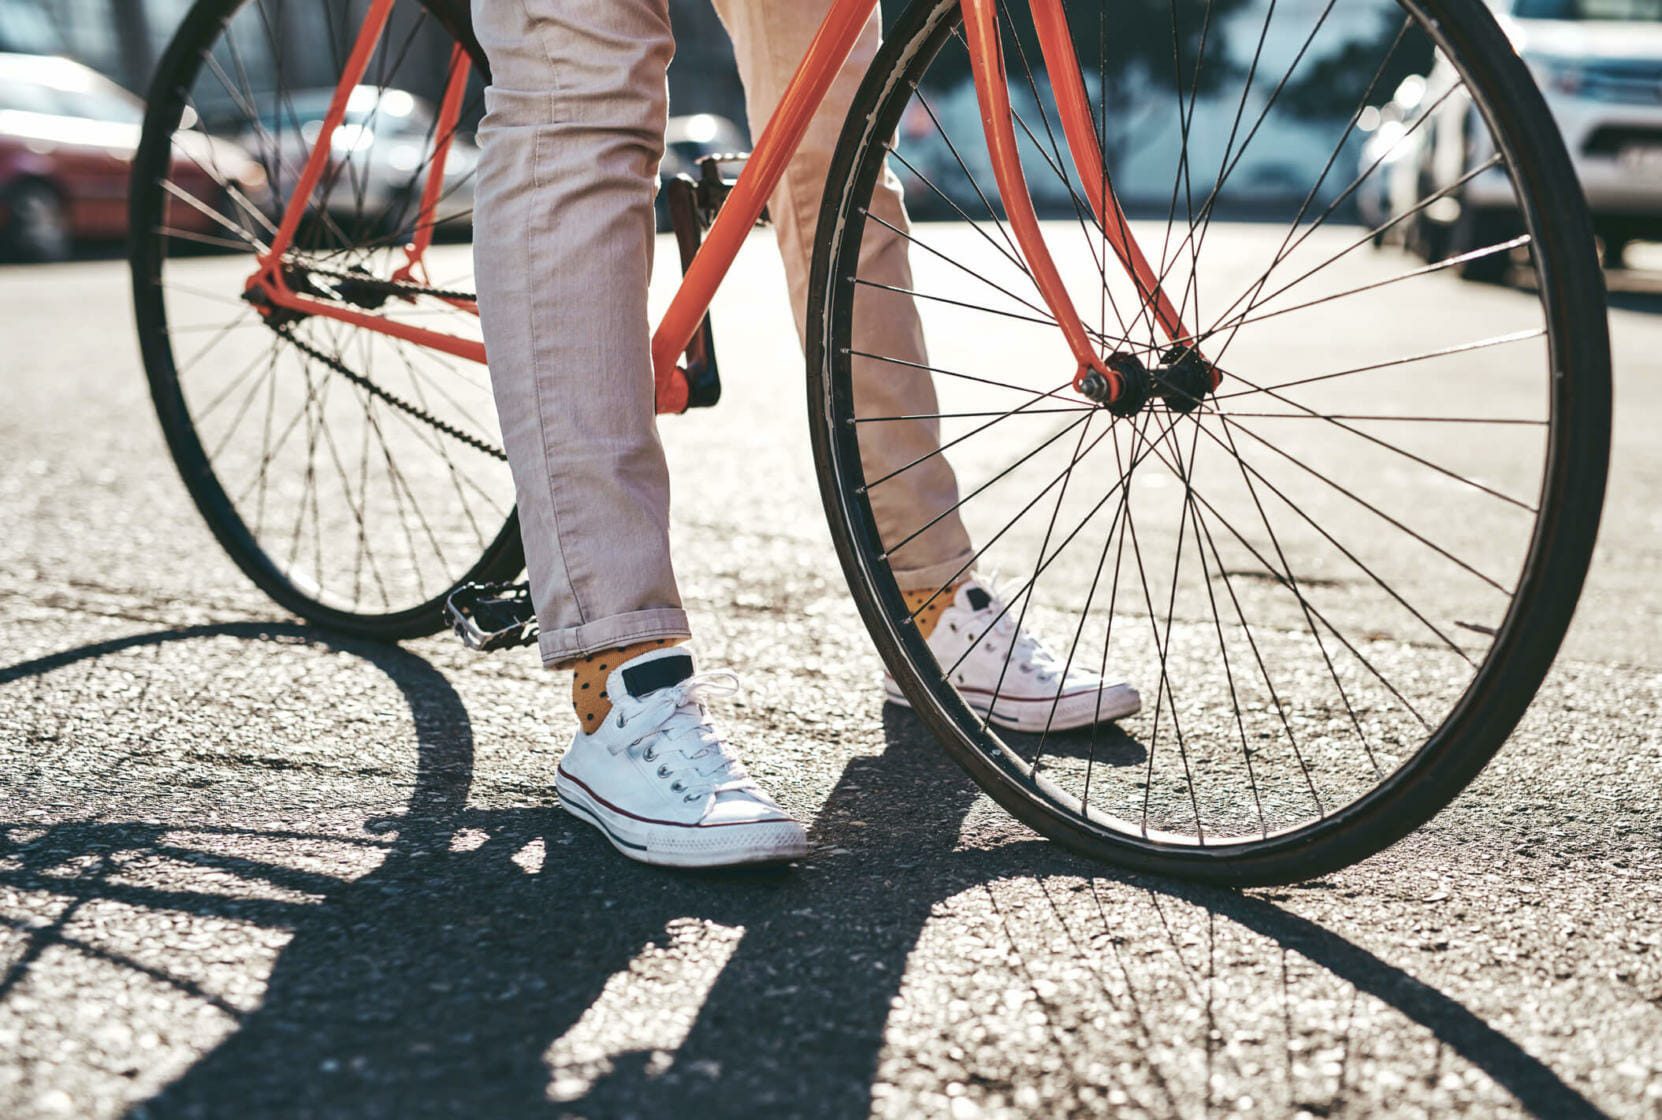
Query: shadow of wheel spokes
[(500, 960)]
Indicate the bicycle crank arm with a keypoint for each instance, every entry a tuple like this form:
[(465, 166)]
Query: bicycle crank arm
[(698, 376)]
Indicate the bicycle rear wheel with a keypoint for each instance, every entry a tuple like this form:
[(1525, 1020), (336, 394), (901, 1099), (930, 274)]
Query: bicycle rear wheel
[(355, 477), (1339, 579)]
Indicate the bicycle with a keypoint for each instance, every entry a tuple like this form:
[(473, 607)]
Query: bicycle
[(1341, 586)]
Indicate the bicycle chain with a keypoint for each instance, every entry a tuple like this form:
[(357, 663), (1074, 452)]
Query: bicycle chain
[(286, 330), (391, 287)]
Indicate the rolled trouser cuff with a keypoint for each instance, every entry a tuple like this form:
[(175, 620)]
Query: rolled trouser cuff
[(558, 646), (932, 576)]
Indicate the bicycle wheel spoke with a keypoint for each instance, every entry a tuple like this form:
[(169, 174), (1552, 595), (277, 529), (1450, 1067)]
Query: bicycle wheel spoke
[(1027, 600), (1304, 603), (971, 415), (965, 499), (1287, 245), (1446, 472), (1045, 561), (1007, 526), (1371, 508), (1285, 579), (1246, 318), (1009, 252), (1258, 659), (366, 501), (1184, 178), (959, 265), (1047, 321), (1287, 250), (1078, 632), (1348, 554), (1368, 237), (1393, 363), (1228, 671), (968, 175), (1385, 418), (1209, 207), (1082, 213)]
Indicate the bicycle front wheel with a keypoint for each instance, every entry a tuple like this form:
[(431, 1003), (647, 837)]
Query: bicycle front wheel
[(1339, 577), (355, 476)]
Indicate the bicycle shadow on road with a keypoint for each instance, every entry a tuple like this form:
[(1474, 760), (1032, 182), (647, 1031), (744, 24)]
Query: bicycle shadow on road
[(470, 979)]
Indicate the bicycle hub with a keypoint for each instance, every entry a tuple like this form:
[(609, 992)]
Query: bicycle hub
[(1182, 380)]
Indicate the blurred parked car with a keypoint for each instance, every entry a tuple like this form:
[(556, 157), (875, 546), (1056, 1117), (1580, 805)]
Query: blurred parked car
[(1389, 159), (67, 139), (383, 146), (1599, 65), (1599, 62)]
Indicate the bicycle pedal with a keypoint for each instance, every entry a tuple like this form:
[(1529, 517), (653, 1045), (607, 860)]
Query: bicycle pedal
[(713, 187), (492, 616)]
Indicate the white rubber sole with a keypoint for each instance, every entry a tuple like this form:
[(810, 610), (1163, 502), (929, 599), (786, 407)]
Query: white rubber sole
[(1083, 709), (672, 845)]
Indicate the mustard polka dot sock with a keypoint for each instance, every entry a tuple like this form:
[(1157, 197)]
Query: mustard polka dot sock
[(588, 678), (929, 616)]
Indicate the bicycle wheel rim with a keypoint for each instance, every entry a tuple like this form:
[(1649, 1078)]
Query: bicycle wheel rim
[(399, 591), (1554, 556)]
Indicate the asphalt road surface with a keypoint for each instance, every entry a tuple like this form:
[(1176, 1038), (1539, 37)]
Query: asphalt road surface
[(250, 869)]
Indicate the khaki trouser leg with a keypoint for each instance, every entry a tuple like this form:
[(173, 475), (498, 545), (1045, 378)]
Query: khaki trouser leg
[(770, 37), (563, 239), (563, 244)]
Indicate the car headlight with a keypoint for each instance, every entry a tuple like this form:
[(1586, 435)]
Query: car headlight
[(1556, 75)]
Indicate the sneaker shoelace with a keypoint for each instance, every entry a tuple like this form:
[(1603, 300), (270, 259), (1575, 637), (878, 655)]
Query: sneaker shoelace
[(1027, 653), (677, 735)]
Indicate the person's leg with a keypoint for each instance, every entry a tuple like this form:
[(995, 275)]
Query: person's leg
[(563, 243), (563, 237), (770, 37), (1023, 686)]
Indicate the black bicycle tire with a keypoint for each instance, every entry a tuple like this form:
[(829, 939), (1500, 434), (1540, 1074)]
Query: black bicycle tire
[(1559, 553), (501, 559)]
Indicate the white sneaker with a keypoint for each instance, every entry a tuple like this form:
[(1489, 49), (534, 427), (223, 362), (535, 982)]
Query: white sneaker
[(1034, 685), (660, 783)]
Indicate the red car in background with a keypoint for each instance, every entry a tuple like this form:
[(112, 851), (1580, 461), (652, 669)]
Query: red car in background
[(67, 139)]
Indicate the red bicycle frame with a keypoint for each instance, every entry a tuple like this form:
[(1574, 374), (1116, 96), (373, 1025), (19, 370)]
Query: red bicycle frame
[(773, 151)]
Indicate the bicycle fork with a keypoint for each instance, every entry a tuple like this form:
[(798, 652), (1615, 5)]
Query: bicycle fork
[(1119, 380)]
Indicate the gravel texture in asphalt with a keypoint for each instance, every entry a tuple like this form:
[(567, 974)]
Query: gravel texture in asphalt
[(250, 869)]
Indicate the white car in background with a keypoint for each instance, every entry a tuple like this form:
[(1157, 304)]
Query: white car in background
[(1599, 65), (383, 147)]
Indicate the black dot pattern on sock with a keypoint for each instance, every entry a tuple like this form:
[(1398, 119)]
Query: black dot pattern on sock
[(926, 606), (589, 675)]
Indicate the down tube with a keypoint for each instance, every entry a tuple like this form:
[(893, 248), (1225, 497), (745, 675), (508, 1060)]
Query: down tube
[(778, 143)]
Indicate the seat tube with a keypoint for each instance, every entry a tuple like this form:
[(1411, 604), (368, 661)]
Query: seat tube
[(444, 135), (369, 35)]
